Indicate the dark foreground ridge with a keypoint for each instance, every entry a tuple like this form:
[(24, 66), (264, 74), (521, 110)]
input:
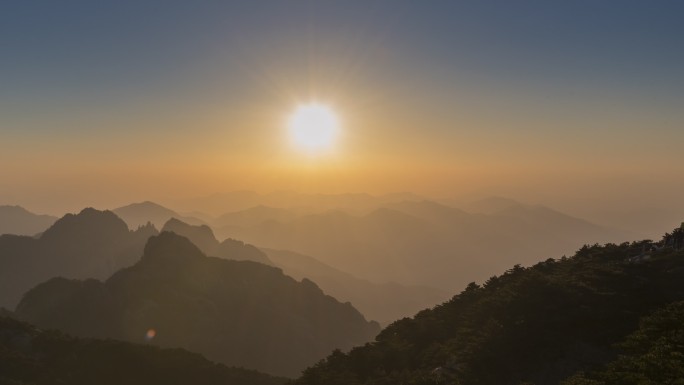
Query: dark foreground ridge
[(612, 312), (240, 313), (32, 356)]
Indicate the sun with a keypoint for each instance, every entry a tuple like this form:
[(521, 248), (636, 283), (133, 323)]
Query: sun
[(313, 127)]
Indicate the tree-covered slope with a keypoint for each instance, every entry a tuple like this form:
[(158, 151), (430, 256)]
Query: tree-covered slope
[(32, 356), (652, 355), (537, 325), (241, 313)]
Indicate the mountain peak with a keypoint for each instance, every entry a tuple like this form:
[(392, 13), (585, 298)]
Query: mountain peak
[(87, 223), (17, 220), (200, 235), (170, 246)]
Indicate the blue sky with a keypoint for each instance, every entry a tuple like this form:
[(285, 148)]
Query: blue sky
[(513, 90)]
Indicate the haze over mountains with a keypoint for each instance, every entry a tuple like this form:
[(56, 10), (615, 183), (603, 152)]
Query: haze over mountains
[(279, 311), (424, 242), (241, 200), (19, 221), (421, 248), (403, 237), (90, 244), (379, 302), (139, 214), (610, 314), (240, 313), (203, 237), (382, 302)]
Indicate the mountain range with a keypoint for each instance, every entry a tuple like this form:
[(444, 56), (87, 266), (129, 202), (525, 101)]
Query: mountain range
[(90, 244), (411, 242), (427, 243), (240, 313), (217, 204), (610, 314), (203, 237), (383, 302), (139, 214), (19, 221)]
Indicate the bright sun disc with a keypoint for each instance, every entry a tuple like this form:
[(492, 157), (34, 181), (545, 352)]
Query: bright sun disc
[(313, 127)]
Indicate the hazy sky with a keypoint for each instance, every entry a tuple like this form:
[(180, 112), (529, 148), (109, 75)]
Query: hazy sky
[(568, 103)]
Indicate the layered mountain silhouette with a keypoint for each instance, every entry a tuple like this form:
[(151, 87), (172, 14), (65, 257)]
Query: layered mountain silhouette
[(610, 314), (91, 244), (19, 221), (384, 302), (32, 356), (256, 215), (139, 214), (242, 200), (240, 313), (380, 302), (427, 243), (203, 237)]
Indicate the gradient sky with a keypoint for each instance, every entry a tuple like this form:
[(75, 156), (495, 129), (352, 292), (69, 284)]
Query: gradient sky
[(575, 104)]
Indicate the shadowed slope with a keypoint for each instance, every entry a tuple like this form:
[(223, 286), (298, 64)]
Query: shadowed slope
[(91, 244), (535, 325), (32, 356), (204, 238), (237, 312), (19, 221), (384, 302)]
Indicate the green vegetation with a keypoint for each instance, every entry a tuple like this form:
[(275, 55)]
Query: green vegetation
[(652, 355), (538, 325)]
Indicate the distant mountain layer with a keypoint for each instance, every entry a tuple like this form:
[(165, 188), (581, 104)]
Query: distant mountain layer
[(32, 356), (380, 302), (237, 312), (574, 321), (91, 244), (203, 237), (242, 200), (139, 214), (254, 216), (19, 221), (426, 243)]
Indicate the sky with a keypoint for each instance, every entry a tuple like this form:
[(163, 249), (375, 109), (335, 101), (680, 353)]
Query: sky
[(574, 104)]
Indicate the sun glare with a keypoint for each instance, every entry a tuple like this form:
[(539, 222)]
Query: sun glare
[(313, 127)]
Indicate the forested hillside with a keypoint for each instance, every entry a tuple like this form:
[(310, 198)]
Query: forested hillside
[(537, 325)]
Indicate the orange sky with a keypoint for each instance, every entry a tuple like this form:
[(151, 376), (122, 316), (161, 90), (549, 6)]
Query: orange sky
[(448, 101)]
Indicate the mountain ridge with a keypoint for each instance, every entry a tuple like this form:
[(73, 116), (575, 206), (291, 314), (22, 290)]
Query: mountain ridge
[(90, 244), (240, 313), (568, 314), (17, 220), (30, 355)]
